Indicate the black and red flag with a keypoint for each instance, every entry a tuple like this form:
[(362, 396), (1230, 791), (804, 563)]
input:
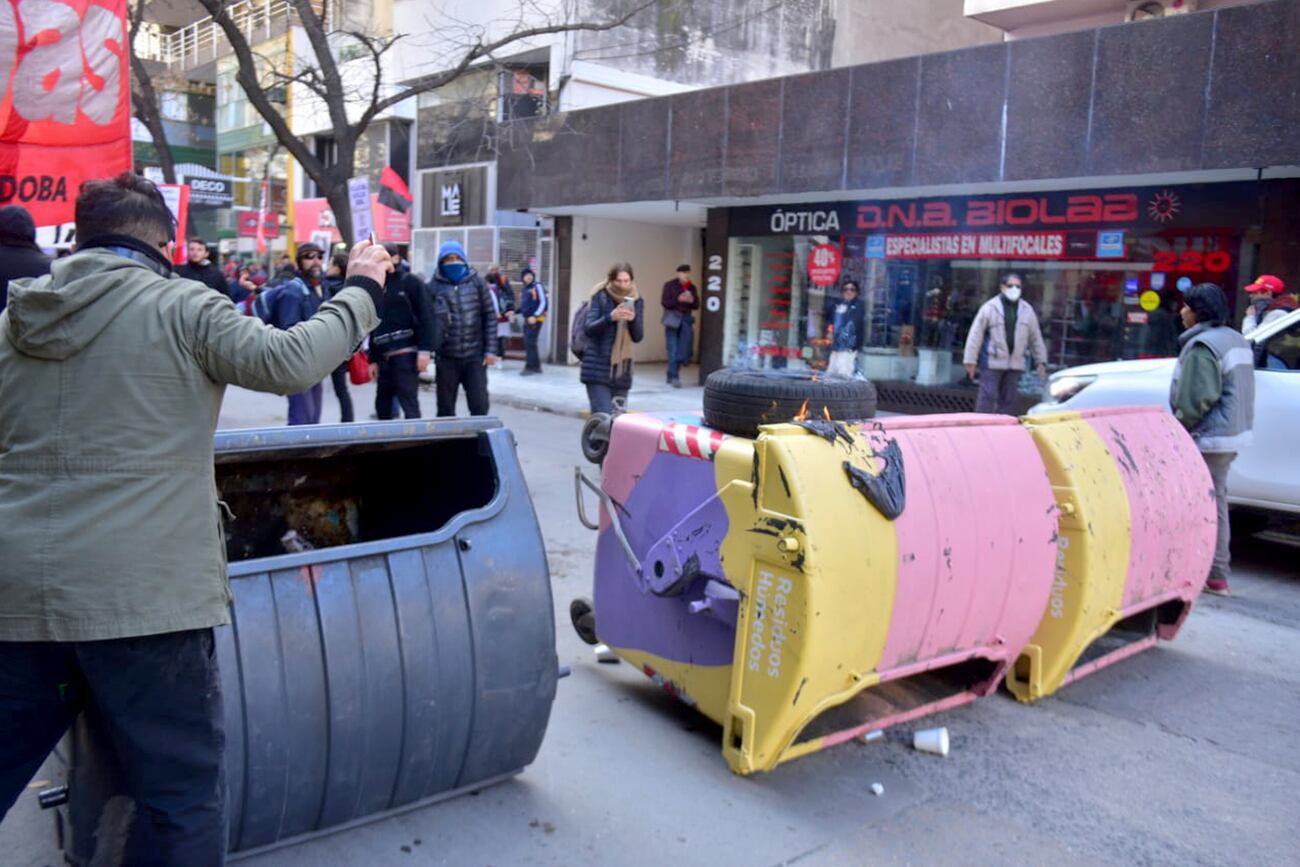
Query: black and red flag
[(393, 192)]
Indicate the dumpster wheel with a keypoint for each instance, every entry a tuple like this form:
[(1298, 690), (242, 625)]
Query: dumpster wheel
[(737, 402), (584, 620), (595, 436)]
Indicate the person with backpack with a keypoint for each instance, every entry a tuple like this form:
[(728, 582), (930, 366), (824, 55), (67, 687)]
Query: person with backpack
[(400, 347), (532, 309), (295, 300), (615, 320), (465, 323)]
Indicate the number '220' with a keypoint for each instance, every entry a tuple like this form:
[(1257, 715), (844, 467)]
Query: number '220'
[(1192, 260)]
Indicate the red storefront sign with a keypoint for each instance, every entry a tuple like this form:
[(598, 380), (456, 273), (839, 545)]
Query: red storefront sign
[(989, 245), (824, 264), (247, 223), (65, 112)]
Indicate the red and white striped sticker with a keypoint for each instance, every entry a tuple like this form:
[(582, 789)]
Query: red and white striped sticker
[(690, 441)]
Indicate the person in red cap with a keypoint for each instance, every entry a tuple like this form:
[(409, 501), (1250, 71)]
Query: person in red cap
[(1268, 301)]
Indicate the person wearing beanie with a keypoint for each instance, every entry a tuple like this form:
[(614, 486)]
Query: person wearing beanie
[(199, 266), (1213, 395), (19, 255), (1268, 301), (532, 309), (295, 300), (465, 323)]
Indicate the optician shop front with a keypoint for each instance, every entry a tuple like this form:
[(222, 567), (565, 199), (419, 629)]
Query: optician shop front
[(1102, 268)]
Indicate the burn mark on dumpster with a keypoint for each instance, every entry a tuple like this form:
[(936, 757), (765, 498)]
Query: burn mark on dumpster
[(798, 692), (780, 471), (887, 490), (827, 430), (797, 563), (753, 478)]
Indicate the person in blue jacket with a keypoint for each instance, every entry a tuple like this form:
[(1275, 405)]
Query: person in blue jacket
[(296, 300), (533, 306)]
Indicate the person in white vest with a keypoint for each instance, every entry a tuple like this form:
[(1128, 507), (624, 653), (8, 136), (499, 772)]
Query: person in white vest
[(1213, 395)]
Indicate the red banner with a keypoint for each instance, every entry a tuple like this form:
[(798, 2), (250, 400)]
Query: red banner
[(65, 112), (315, 215), (246, 223)]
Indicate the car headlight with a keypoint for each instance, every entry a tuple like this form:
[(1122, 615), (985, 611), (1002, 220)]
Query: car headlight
[(1065, 387)]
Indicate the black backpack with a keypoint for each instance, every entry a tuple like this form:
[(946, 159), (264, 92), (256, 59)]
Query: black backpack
[(578, 330)]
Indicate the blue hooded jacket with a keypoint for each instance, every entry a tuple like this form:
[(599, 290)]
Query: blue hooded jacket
[(465, 321)]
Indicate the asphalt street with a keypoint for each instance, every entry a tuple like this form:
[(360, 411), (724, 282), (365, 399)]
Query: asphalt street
[(1185, 754)]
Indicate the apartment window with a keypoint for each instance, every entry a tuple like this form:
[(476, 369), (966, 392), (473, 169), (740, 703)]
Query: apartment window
[(522, 92)]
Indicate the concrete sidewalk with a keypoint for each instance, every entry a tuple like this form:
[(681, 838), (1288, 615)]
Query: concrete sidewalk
[(558, 390)]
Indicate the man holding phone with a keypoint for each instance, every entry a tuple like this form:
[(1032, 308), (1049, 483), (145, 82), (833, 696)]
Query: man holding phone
[(113, 571)]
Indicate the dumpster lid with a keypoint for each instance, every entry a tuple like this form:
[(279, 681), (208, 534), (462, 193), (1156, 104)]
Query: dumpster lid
[(326, 439)]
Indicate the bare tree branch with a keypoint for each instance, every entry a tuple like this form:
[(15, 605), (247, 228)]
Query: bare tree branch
[(144, 98)]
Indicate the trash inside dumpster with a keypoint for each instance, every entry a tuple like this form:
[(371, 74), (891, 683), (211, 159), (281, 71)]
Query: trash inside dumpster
[(828, 579), (1137, 530), (392, 639)]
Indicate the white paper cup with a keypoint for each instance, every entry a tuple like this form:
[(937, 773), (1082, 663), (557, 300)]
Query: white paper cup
[(931, 741)]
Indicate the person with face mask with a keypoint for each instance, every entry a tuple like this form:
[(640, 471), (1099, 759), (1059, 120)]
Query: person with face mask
[(295, 300), (465, 324), (1268, 301), (1213, 395), (1010, 327)]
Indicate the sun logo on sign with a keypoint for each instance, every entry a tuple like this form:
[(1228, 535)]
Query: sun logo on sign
[(1164, 205)]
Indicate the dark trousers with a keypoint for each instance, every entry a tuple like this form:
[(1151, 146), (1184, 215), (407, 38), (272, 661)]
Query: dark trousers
[(159, 699), (602, 397), (305, 408), (998, 391), (455, 372), (339, 379), (532, 333), (399, 379), (680, 345)]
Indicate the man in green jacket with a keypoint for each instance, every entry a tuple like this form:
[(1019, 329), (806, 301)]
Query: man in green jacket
[(1213, 395), (112, 556)]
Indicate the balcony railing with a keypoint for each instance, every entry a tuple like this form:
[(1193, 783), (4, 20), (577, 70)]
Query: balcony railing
[(204, 41)]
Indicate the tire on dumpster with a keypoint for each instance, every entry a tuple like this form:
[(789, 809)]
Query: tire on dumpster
[(739, 401), (406, 656)]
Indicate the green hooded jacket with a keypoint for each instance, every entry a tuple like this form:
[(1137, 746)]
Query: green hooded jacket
[(111, 380)]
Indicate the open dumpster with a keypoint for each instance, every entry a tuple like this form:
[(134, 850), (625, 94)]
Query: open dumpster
[(392, 639), (825, 579)]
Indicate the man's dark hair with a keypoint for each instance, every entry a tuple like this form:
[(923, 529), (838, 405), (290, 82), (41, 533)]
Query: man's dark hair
[(683, 267), (124, 205), (196, 240), (1007, 276), (340, 261), (1208, 303), (392, 250), (17, 226), (851, 284)]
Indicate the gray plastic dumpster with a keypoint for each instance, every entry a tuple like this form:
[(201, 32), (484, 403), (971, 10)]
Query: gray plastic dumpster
[(408, 656)]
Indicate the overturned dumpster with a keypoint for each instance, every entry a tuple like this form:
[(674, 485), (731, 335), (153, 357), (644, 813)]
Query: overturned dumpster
[(392, 639), (825, 579)]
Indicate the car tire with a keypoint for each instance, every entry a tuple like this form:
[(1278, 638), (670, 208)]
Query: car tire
[(737, 402)]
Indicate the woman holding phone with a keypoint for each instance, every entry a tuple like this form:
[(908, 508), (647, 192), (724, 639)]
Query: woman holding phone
[(615, 321)]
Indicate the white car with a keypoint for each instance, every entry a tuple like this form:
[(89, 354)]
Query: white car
[(1266, 474)]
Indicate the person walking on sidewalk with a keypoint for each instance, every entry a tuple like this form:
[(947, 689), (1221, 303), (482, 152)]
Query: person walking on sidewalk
[(296, 300), (19, 255), (532, 309), (335, 279), (465, 324), (1010, 327), (1213, 395), (503, 301), (845, 326), (679, 299), (615, 321), (401, 345), (113, 572)]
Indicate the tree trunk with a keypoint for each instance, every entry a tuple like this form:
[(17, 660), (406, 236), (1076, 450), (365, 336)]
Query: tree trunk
[(336, 193), (146, 109)]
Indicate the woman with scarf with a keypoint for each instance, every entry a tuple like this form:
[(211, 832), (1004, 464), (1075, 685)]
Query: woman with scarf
[(615, 321)]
